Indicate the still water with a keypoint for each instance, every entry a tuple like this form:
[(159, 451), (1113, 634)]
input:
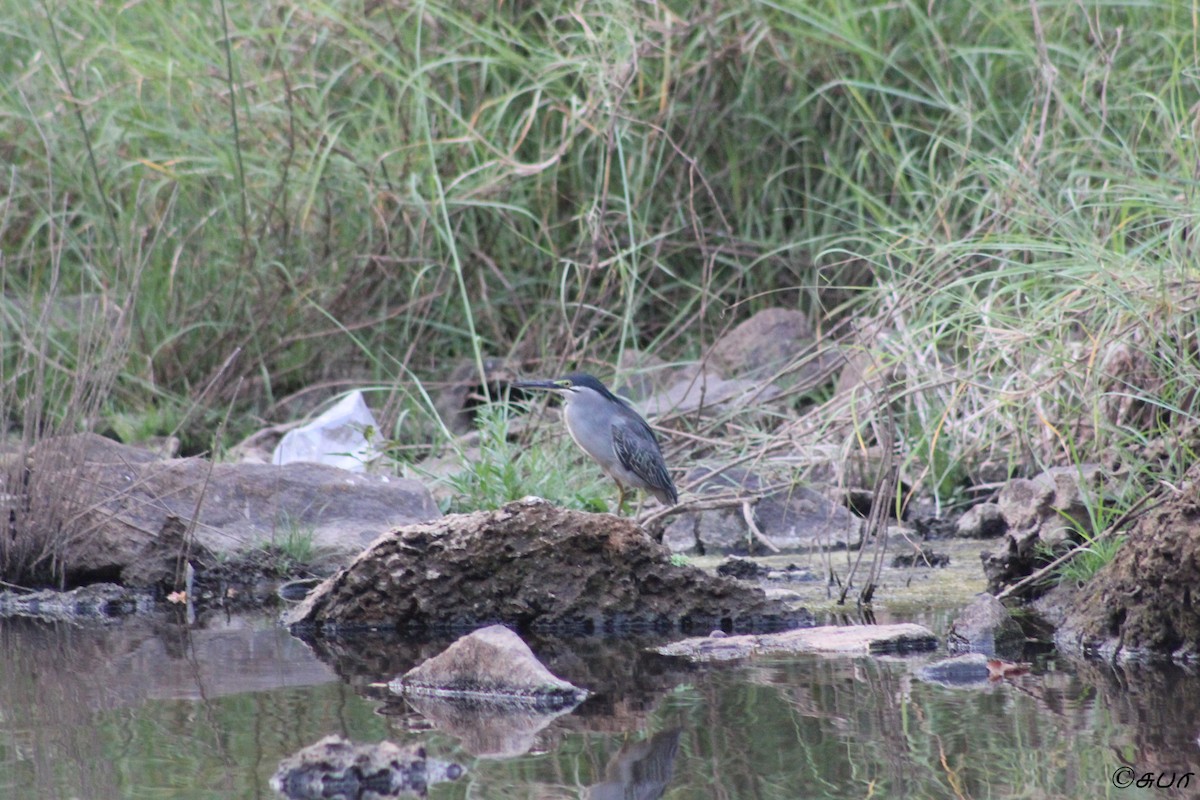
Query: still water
[(147, 710)]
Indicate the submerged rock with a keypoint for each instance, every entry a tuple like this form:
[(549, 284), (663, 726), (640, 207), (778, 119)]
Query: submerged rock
[(490, 691), (335, 769), (535, 567), (98, 602), (490, 665), (970, 670), (965, 670), (841, 639)]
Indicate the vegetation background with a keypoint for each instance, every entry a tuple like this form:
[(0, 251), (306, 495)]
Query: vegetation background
[(216, 215)]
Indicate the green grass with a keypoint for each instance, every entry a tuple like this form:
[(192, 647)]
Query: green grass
[(1090, 560), (252, 207), (499, 469)]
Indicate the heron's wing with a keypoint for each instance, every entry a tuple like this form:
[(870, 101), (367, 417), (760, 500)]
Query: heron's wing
[(638, 452)]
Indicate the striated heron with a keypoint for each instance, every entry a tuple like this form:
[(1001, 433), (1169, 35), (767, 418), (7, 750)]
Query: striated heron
[(613, 434)]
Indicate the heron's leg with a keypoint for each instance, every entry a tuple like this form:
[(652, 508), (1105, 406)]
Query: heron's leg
[(620, 498)]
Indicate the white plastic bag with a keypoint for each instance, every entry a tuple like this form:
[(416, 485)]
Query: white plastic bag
[(337, 437)]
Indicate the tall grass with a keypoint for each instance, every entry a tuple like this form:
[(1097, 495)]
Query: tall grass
[(996, 200)]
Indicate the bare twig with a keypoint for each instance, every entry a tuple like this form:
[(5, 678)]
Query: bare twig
[(748, 515), (652, 519)]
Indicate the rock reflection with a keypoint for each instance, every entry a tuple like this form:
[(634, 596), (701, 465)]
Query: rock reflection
[(484, 729), (335, 769), (624, 680)]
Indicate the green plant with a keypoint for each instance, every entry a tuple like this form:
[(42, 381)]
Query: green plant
[(295, 546), (1097, 554), (498, 470)]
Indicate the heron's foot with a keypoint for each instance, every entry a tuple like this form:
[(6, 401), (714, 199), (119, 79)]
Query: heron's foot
[(620, 500)]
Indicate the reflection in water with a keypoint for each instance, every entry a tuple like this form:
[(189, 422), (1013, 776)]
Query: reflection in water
[(336, 769), (485, 729), (1156, 735), (169, 712), (640, 771)]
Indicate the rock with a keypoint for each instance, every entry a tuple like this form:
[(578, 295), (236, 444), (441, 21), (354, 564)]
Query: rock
[(965, 670), (490, 691), (1063, 511), (985, 626), (1044, 517), (642, 375), (535, 567), (1143, 602), (864, 372), (118, 499), (159, 565), (337, 768), (970, 670), (1023, 503), (924, 557), (982, 521), (834, 639), (490, 665), (763, 344), (742, 568), (708, 393), (796, 519)]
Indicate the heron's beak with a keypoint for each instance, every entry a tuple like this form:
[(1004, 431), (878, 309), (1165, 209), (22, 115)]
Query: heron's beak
[(549, 385)]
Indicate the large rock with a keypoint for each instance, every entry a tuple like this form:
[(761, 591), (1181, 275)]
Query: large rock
[(764, 343), (1044, 516), (112, 501), (535, 567), (702, 390)]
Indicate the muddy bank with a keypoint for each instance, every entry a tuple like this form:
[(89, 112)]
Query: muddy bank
[(1143, 603)]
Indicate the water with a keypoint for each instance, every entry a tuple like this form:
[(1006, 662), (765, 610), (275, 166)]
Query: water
[(161, 711)]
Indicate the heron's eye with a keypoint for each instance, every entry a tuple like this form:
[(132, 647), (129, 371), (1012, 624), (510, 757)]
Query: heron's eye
[(564, 383)]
